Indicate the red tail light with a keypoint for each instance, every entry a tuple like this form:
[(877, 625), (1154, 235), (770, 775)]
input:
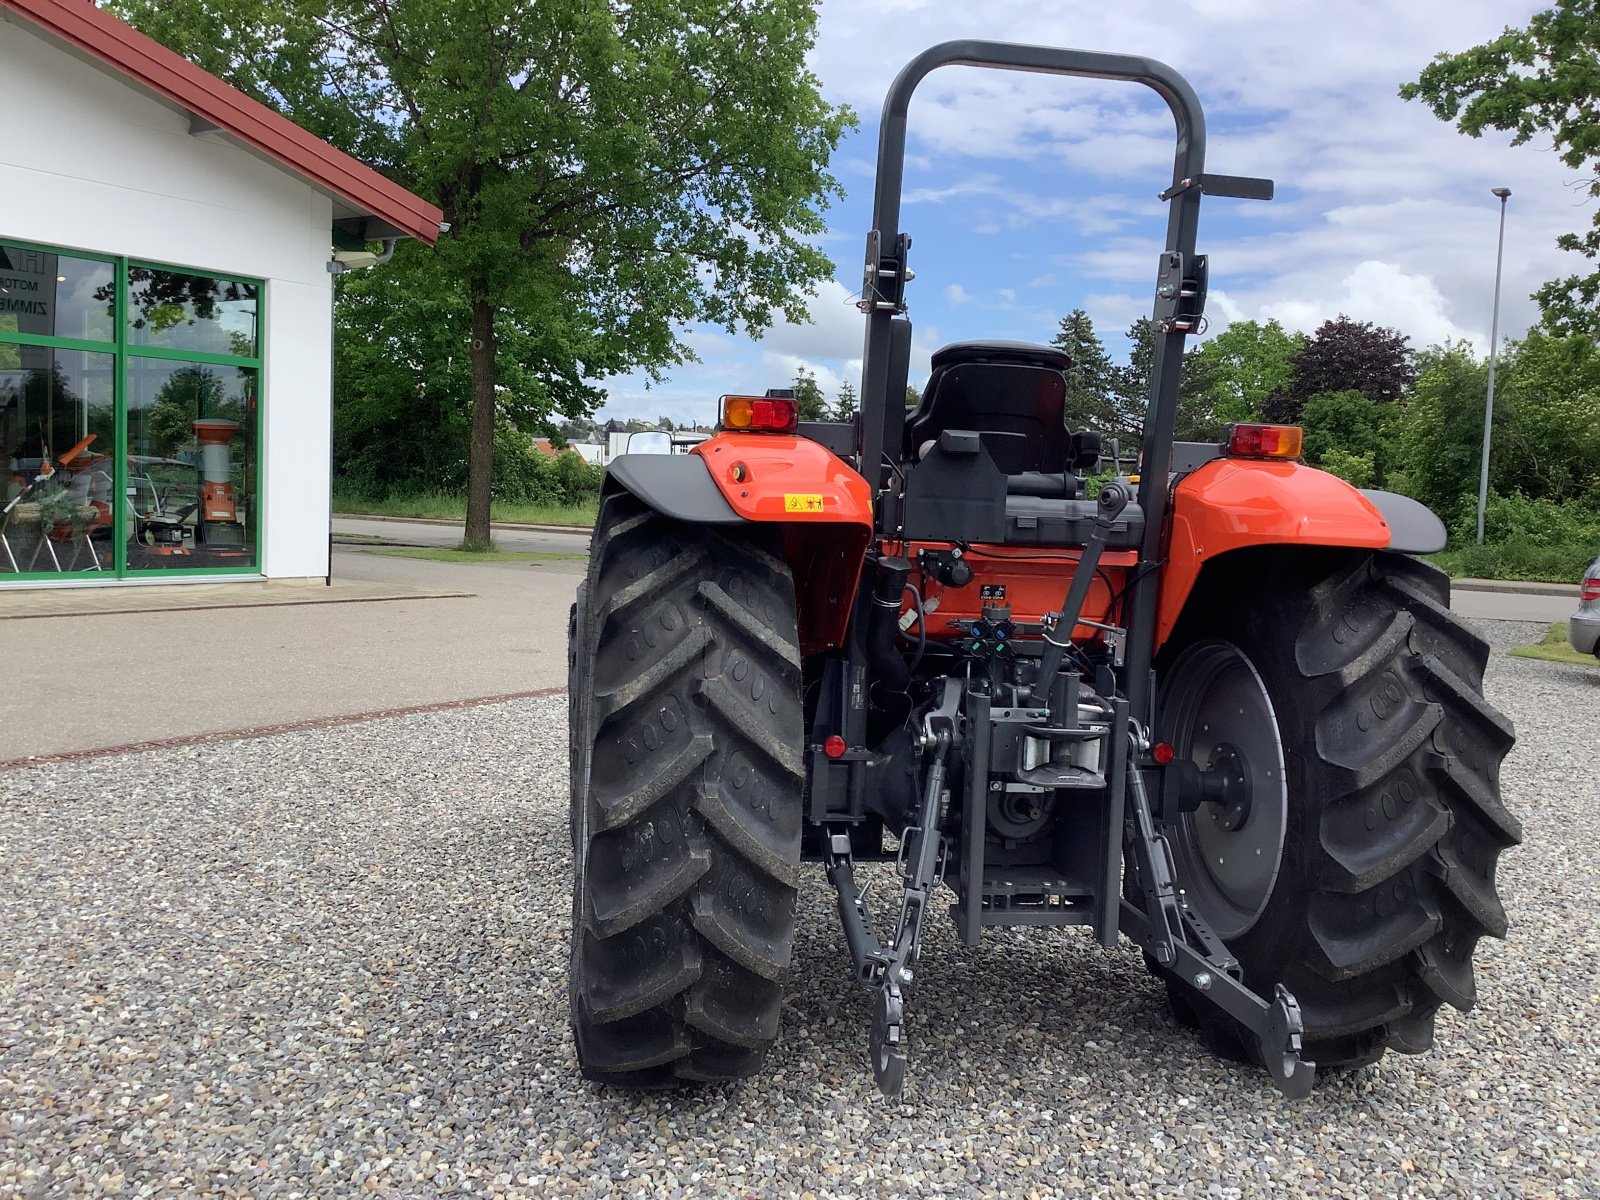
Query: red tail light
[(1591, 588), (760, 414), (1264, 441)]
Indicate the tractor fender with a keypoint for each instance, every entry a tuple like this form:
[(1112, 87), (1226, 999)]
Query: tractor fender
[(1234, 504), (821, 504)]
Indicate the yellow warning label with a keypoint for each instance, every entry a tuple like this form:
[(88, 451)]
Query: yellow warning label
[(794, 502)]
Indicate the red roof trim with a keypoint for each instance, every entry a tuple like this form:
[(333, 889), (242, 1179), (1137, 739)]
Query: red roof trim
[(151, 65)]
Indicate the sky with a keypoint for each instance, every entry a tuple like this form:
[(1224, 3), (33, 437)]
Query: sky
[(1027, 196)]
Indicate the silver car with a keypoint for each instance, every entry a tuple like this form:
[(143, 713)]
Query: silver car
[(1583, 626)]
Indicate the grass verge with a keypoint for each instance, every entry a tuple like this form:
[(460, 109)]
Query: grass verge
[(453, 555), (1513, 560), (444, 507), (1554, 648)]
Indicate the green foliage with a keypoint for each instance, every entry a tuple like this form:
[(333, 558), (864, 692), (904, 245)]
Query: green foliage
[(1534, 523), (1550, 391), (808, 395), (1344, 355), (1440, 434), (1232, 377), (446, 506), (610, 173), (845, 404), (1358, 470), (1348, 435), (913, 396), (187, 394), (1130, 384), (1540, 82), (1089, 403), (526, 475)]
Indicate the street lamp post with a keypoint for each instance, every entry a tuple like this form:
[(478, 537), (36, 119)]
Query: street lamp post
[(1494, 346)]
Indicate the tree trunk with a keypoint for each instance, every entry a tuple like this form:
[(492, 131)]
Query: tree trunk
[(480, 444)]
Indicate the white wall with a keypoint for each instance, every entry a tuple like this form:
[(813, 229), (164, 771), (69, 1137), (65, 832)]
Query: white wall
[(91, 163)]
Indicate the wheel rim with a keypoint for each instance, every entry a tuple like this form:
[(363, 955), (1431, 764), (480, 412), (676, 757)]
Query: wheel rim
[(1215, 704)]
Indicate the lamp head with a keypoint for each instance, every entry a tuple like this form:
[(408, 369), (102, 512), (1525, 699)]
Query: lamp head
[(1501, 192)]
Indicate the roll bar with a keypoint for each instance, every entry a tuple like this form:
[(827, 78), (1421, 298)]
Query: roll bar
[(1180, 283)]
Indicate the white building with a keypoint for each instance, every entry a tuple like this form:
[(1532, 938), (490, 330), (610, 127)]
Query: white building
[(166, 258)]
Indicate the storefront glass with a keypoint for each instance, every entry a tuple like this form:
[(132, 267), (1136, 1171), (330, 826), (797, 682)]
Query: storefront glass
[(57, 451), (191, 465), (129, 418)]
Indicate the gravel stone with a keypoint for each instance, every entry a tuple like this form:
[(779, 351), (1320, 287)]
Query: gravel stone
[(333, 963)]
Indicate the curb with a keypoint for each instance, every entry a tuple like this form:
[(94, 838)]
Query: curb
[(260, 731), (516, 525), (1516, 587)]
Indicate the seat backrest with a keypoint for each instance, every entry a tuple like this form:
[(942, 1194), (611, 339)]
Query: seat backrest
[(999, 387)]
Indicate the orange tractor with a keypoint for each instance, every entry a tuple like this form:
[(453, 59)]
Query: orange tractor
[(1221, 710)]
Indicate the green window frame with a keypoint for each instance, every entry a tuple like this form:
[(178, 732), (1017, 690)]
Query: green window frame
[(124, 350)]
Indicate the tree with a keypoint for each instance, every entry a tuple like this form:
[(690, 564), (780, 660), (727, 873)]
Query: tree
[(1345, 355), (845, 404), (609, 172), (1089, 396), (913, 396), (1232, 377), (1347, 434), (1441, 430), (1130, 383), (1538, 80), (1550, 447), (187, 394), (808, 394)]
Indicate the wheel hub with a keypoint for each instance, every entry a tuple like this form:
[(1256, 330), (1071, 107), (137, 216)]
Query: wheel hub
[(1227, 837)]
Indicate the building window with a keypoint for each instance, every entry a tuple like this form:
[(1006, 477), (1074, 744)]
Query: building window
[(129, 418)]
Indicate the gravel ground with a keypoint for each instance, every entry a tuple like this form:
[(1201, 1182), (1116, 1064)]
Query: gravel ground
[(333, 963)]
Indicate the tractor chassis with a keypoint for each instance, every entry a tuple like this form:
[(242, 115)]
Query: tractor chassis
[(1160, 921)]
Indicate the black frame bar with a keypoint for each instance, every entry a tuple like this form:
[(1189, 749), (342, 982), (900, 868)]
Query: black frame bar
[(1182, 222)]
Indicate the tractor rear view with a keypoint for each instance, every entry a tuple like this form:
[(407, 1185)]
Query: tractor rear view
[(1221, 710)]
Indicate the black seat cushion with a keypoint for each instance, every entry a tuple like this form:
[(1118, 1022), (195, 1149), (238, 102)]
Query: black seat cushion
[(1001, 387)]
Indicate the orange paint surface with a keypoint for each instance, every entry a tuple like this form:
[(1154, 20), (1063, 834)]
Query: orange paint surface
[(1230, 504), (824, 507), (782, 477)]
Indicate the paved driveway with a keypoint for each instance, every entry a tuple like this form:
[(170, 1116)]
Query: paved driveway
[(73, 683)]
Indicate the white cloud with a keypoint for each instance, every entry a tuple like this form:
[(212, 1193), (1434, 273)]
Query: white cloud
[(835, 331), (1385, 295), (1045, 187)]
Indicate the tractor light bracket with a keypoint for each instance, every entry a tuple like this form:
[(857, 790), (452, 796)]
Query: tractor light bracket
[(1180, 292), (883, 285)]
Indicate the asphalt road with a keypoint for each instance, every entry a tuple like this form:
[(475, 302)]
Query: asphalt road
[(88, 682), (1487, 606)]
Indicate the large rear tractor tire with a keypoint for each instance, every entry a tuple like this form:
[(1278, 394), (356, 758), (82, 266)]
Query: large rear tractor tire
[(686, 724), (1363, 873)]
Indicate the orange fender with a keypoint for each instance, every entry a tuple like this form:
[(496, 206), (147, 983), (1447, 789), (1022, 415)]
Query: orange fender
[(824, 506), (1232, 504)]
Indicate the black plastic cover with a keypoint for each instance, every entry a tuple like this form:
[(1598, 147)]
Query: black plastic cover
[(955, 496), (1037, 521), (677, 485), (1413, 527)]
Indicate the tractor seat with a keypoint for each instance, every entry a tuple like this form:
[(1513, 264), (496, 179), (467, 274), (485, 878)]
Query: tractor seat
[(999, 387)]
